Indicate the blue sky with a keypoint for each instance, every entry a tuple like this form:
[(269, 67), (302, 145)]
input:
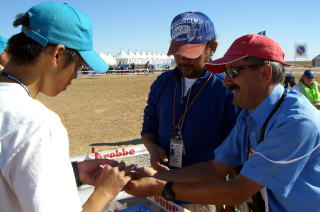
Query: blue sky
[(144, 24)]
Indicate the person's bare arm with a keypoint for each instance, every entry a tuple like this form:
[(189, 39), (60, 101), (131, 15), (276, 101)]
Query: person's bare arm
[(200, 172), (217, 192)]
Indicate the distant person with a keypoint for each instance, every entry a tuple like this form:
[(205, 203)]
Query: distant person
[(309, 87), (276, 140), (36, 174), (146, 66), (189, 112), (4, 57), (289, 80), (133, 66)]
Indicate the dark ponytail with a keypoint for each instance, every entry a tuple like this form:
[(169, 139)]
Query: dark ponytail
[(21, 48)]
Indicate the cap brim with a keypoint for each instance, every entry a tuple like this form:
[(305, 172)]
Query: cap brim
[(94, 61), (219, 65), (1, 49), (188, 50), (3, 45), (309, 75)]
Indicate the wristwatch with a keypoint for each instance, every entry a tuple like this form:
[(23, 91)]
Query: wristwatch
[(167, 192)]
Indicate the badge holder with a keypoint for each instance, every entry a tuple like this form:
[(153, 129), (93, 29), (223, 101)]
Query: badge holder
[(176, 150)]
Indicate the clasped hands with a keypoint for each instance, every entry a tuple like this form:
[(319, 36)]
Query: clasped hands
[(115, 176)]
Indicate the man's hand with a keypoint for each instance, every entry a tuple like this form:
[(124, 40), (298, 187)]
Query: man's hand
[(140, 172), (113, 179), (90, 170), (109, 183), (144, 187), (158, 155)]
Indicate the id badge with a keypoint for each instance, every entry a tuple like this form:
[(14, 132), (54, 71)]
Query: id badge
[(176, 152)]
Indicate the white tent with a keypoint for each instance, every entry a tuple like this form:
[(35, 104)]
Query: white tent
[(131, 57), (141, 58), (144, 57), (316, 61), (122, 57), (108, 58), (138, 56)]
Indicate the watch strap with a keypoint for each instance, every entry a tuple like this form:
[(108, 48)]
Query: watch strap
[(168, 192)]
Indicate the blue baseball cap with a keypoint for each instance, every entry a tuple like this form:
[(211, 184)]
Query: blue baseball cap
[(3, 43), (59, 23), (190, 32), (308, 73)]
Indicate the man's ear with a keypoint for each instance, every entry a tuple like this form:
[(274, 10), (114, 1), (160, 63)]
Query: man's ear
[(266, 72), (56, 54), (213, 46)]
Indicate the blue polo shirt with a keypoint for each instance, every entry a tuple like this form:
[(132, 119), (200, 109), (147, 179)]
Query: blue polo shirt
[(208, 122), (287, 161)]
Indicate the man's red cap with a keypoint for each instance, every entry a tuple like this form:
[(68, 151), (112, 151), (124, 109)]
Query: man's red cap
[(253, 45)]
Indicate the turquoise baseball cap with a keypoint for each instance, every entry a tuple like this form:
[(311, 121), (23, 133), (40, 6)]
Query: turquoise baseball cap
[(59, 23), (3, 43)]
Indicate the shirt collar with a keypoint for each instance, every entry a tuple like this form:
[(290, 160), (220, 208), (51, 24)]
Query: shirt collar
[(260, 114)]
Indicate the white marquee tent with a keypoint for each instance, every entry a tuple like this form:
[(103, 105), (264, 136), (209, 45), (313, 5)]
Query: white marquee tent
[(122, 57), (316, 61), (141, 58), (108, 58)]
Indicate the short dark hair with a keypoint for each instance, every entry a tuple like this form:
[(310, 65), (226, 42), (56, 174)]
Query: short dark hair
[(211, 41), (24, 50), (278, 70)]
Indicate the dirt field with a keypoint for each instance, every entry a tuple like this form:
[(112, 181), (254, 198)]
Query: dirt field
[(106, 110)]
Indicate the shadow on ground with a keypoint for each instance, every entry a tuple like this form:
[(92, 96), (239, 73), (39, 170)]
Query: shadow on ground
[(120, 143)]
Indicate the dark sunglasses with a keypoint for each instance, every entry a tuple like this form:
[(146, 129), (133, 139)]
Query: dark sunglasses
[(232, 72)]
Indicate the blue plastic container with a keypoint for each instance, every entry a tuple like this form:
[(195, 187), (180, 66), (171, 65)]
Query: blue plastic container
[(137, 208)]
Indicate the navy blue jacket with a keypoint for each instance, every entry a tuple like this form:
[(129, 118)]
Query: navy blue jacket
[(207, 123)]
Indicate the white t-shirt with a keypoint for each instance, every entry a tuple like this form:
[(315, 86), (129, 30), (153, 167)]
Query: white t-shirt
[(188, 82), (35, 170)]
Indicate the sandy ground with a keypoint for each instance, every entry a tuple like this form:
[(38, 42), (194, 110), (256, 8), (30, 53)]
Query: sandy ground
[(107, 110)]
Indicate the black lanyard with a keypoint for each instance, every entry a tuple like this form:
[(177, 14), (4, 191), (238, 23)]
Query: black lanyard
[(264, 126), (9, 76), (257, 200)]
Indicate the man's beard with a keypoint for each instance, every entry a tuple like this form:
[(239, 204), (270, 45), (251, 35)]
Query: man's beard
[(190, 74)]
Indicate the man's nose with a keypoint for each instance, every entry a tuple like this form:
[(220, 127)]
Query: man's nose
[(227, 81)]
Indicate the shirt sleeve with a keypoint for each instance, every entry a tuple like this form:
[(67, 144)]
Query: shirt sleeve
[(229, 152), (40, 172), (296, 88), (280, 158)]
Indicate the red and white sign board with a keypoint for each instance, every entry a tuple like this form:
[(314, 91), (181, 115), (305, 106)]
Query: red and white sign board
[(114, 154)]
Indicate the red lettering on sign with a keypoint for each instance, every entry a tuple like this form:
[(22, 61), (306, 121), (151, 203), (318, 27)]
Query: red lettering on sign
[(115, 154), (166, 204)]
